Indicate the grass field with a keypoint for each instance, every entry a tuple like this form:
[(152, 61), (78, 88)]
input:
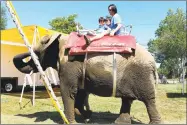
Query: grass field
[(170, 103)]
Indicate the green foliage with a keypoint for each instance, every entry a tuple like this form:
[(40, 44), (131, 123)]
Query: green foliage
[(163, 71), (151, 46), (170, 41), (65, 24), (3, 22), (170, 67), (159, 57)]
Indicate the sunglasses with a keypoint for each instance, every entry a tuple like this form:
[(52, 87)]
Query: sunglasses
[(109, 9)]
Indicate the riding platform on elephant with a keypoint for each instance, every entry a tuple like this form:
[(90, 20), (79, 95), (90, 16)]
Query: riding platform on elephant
[(118, 44)]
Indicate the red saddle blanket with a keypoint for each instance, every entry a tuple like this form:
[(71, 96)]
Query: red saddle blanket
[(120, 44)]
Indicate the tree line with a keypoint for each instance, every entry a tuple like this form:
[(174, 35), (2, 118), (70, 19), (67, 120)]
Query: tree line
[(169, 45)]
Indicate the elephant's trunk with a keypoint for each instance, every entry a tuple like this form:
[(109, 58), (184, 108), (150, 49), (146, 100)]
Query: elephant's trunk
[(24, 67)]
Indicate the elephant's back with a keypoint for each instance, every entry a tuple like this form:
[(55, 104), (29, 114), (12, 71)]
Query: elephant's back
[(105, 61), (142, 54)]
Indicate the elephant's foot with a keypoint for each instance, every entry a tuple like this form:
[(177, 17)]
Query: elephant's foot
[(71, 122), (156, 121), (87, 115), (77, 112), (124, 118), (86, 121)]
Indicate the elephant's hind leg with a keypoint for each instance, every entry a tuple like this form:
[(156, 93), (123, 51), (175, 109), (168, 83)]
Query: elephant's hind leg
[(79, 104), (86, 102), (152, 111), (124, 117)]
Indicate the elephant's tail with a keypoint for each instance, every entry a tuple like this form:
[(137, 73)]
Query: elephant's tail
[(155, 73), (155, 76)]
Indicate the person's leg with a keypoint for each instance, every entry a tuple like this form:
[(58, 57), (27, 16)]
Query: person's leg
[(98, 36)]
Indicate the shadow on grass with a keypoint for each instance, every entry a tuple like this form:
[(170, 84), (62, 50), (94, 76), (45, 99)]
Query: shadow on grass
[(176, 95), (43, 116), (107, 118), (38, 94), (97, 117)]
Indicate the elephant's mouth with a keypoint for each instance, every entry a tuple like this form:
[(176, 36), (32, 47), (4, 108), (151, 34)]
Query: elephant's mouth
[(23, 66)]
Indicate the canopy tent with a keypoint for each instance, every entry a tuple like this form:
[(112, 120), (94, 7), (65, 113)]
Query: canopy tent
[(13, 36), (13, 44)]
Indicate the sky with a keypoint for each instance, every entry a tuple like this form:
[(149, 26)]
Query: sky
[(144, 16)]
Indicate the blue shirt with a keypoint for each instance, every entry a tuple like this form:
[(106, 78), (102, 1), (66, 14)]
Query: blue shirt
[(114, 21), (102, 28)]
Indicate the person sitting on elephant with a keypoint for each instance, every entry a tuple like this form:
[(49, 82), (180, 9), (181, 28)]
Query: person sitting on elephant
[(104, 24), (116, 22), (93, 32), (98, 30), (101, 25), (105, 30), (116, 27), (108, 22)]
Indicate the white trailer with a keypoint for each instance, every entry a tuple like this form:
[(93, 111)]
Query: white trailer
[(12, 45)]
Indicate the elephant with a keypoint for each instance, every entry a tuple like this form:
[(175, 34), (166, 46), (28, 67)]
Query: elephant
[(135, 80)]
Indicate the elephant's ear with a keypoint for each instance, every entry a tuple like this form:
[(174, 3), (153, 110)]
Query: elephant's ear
[(63, 40), (46, 41), (52, 39)]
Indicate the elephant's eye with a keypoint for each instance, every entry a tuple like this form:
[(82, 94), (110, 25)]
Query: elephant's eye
[(45, 39), (25, 60), (44, 42)]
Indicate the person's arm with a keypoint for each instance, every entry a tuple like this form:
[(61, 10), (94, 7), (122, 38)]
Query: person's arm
[(119, 25), (96, 29), (107, 28)]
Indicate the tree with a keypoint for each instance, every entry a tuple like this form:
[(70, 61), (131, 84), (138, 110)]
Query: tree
[(171, 35), (170, 67), (159, 57), (65, 24), (3, 23), (170, 39)]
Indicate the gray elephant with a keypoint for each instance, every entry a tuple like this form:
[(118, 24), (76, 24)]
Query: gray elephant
[(136, 77)]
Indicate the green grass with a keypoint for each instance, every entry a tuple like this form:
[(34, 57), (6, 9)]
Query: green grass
[(170, 103)]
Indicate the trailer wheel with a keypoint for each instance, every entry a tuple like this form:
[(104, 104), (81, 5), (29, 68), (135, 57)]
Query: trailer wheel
[(8, 87), (9, 84)]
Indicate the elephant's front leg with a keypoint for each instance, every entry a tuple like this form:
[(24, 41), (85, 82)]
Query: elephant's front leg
[(68, 98), (69, 75)]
